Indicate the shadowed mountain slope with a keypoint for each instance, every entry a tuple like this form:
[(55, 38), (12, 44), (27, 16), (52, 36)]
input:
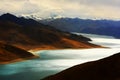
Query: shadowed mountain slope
[(104, 69), (10, 53)]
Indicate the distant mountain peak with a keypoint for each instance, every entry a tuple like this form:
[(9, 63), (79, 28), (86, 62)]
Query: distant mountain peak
[(18, 20), (8, 15)]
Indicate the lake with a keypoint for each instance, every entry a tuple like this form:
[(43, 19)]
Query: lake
[(54, 61)]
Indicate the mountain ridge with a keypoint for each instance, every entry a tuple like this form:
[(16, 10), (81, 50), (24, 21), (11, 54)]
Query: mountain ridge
[(18, 32), (101, 27)]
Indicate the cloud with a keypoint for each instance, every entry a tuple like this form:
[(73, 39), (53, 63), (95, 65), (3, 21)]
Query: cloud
[(97, 2), (105, 9), (18, 7)]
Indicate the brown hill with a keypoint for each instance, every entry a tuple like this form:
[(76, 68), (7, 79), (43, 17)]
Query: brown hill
[(104, 69), (29, 34), (10, 53)]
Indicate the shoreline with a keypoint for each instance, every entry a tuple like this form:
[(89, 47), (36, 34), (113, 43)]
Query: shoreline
[(19, 60), (40, 49)]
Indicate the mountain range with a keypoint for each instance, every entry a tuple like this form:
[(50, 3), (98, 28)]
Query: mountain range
[(100, 27), (29, 34)]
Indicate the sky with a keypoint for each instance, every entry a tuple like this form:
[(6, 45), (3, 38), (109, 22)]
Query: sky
[(91, 9)]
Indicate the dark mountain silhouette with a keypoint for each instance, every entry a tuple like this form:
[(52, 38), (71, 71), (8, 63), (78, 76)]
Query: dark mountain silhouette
[(10, 53), (30, 34), (101, 27), (18, 20), (104, 69)]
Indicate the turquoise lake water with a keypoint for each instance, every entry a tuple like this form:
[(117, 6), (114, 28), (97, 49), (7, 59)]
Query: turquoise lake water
[(54, 61)]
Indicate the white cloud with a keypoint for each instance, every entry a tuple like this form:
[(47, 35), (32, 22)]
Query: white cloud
[(18, 7), (109, 9)]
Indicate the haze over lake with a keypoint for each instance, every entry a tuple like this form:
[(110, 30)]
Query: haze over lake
[(54, 61)]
